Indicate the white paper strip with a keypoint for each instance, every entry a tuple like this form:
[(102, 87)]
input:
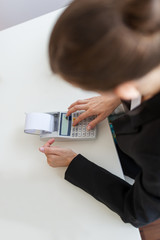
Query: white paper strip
[(35, 123)]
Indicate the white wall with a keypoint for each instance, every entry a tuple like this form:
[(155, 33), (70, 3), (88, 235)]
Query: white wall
[(13, 12)]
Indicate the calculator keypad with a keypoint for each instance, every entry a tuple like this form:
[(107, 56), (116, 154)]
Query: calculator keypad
[(80, 130)]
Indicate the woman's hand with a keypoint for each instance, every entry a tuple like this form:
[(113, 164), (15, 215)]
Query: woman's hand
[(101, 106), (56, 156)]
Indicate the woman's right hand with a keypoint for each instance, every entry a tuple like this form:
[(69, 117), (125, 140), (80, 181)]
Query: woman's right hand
[(101, 107)]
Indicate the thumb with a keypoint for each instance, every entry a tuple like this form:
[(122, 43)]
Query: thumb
[(49, 150)]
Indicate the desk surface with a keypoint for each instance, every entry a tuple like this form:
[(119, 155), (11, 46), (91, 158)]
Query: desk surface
[(36, 202)]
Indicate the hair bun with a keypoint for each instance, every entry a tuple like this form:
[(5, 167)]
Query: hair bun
[(142, 15)]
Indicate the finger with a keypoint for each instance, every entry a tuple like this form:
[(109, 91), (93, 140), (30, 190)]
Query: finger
[(51, 161), (50, 150), (81, 117), (54, 162), (49, 142), (76, 108), (78, 102), (93, 123)]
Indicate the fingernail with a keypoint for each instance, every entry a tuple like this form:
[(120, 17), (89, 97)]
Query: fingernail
[(41, 149), (88, 128)]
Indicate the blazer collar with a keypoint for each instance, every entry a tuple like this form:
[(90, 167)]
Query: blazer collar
[(133, 120)]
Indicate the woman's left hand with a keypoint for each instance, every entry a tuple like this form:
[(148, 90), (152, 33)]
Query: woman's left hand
[(57, 156)]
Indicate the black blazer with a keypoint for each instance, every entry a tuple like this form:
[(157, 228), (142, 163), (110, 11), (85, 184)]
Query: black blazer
[(138, 135)]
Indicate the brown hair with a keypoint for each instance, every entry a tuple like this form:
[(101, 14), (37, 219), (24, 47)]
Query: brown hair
[(99, 44)]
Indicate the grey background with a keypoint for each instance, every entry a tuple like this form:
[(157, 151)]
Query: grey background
[(13, 12)]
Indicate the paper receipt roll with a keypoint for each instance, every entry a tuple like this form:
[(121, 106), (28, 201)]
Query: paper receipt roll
[(36, 123)]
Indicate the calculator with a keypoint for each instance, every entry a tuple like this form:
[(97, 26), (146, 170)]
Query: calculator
[(57, 125), (65, 131), (80, 131)]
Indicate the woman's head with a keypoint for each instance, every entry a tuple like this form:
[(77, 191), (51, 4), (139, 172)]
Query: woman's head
[(99, 44)]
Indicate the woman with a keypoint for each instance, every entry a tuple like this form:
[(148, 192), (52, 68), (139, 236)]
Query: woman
[(113, 47)]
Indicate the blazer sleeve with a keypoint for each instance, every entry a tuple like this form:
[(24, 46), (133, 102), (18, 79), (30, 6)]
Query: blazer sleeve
[(133, 203)]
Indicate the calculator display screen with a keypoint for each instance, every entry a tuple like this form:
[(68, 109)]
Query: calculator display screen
[(65, 125)]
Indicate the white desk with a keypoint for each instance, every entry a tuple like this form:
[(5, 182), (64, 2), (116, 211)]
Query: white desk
[(35, 201)]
